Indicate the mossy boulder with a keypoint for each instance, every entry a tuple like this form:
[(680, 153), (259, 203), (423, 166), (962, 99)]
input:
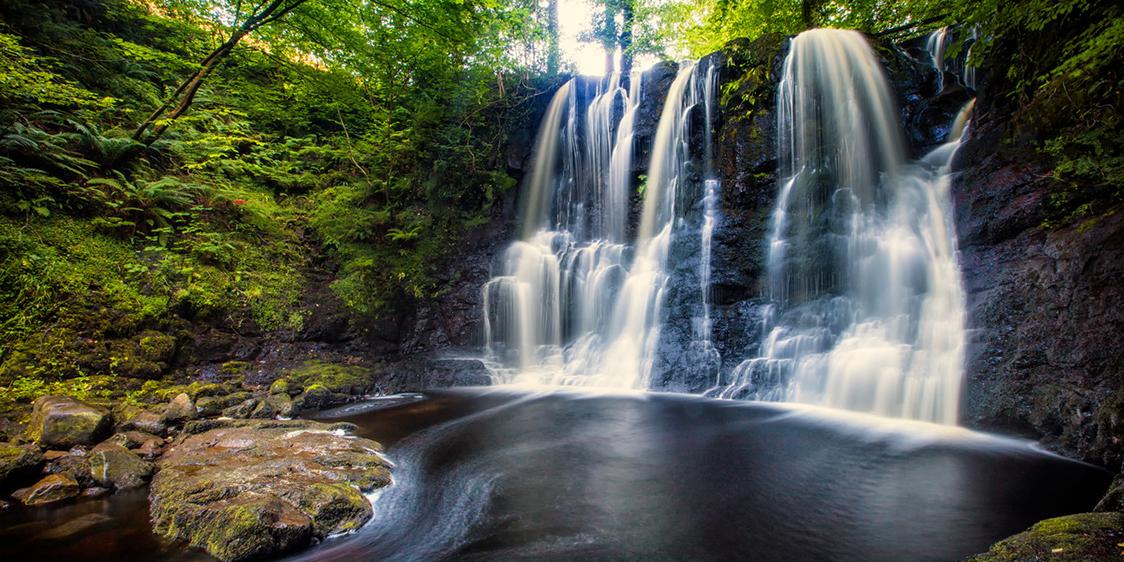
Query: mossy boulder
[(52, 488), (181, 409), (253, 488), (61, 422), (319, 397), (242, 410), (214, 405), (279, 386), (1084, 537), (112, 465), (17, 462), (336, 377)]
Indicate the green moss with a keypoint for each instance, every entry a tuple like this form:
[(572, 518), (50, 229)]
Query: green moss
[(1084, 537), (335, 377)]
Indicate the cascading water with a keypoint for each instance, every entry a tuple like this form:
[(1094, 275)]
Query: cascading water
[(937, 46), (868, 307), (575, 304)]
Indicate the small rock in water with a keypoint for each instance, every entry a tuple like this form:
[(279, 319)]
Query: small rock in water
[(52, 488), (73, 527), (95, 492)]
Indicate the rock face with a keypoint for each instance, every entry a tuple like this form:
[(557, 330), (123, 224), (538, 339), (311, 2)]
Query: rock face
[(1085, 537), (52, 488), (61, 422), (252, 488), (1045, 303)]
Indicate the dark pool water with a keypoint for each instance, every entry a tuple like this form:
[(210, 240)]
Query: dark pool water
[(516, 475)]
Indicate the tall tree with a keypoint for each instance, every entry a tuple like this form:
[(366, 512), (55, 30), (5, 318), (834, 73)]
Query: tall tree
[(553, 53), (244, 23)]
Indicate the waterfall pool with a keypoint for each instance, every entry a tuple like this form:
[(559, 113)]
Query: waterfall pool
[(529, 474)]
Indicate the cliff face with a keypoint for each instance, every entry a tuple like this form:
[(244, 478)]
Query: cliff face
[(1045, 304), (1045, 313)]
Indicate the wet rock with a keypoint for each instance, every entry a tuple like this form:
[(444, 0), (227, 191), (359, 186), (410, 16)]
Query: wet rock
[(112, 465), (73, 527), (318, 397), (62, 422), (1084, 537), (149, 422), (431, 371), (214, 405), (250, 488), (180, 410), (241, 410), (279, 404), (95, 492), (17, 462), (73, 466), (52, 488), (51, 456), (1114, 499)]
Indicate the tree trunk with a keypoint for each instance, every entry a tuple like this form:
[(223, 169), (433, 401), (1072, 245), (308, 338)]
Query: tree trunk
[(808, 11), (553, 56), (185, 94)]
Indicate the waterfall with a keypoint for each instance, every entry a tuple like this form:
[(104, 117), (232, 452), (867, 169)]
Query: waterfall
[(867, 305), (704, 328), (937, 45), (573, 302)]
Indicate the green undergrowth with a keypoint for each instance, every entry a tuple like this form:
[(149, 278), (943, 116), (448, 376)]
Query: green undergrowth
[(280, 169)]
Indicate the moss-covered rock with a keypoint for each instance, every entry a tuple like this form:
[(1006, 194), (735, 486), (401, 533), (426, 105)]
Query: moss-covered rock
[(52, 488), (1084, 537), (112, 465), (336, 377), (17, 462), (250, 488), (214, 405), (62, 422), (279, 386), (242, 410)]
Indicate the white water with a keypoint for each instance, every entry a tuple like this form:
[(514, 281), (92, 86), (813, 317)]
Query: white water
[(574, 303), (937, 45), (868, 307)]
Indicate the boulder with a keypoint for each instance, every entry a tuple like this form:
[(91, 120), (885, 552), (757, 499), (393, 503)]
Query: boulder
[(146, 421), (52, 488), (214, 405), (73, 466), (279, 386), (62, 422), (112, 465), (253, 488), (242, 410), (180, 410), (17, 462), (1084, 537)]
